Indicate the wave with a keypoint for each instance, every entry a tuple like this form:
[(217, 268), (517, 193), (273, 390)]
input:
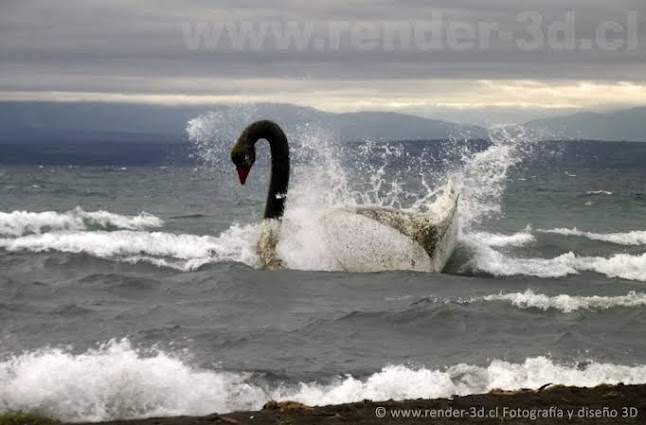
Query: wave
[(18, 223), (116, 381), (567, 303), (635, 237), (562, 302), (499, 240), (598, 192), (187, 252), (624, 266), (180, 251), (71, 233)]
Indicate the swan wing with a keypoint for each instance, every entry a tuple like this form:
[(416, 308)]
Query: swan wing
[(361, 244), (428, 230), (380, 238)]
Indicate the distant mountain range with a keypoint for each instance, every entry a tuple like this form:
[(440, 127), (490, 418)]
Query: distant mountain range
[(52, 122), (624, 125), (102, 122), (92, 122)]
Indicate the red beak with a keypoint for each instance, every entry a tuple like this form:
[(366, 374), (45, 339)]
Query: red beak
[(243, 172)]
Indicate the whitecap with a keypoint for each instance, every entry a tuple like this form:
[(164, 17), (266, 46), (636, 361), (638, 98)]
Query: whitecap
[(116, 381), (567, 303), (599, 192), (180, 251), (18, 223), (500, 240), (624, 266), (634, 237)]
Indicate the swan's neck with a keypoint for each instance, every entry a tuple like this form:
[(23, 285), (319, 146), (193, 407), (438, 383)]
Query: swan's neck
[(279, 181)]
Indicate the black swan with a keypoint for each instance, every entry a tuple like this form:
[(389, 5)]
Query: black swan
[(373, 238)]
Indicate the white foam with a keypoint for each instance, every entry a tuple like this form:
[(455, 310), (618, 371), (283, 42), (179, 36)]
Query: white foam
[(599, 192), (624, 266), (500, 240), (401, 382), (180, 251), (568, 303), (116, 381), (635, 237), (488, 260), (19, 223)]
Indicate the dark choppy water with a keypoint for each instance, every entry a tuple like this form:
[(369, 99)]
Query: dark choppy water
[(107, 312)]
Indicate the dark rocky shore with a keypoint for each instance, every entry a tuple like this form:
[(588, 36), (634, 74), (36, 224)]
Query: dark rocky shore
[(622, 404)]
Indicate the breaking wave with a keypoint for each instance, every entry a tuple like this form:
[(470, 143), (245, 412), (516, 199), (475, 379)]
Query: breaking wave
[(635, 237), (568, 303), (599, 192), (18, 223), (116, 381), (624, 266), (182, 252), (563, 302), (499, 240)]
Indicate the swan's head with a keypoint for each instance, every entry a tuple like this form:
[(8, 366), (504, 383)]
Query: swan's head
[(243, 156)]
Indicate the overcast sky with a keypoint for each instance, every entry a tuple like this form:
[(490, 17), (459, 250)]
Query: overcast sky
[(485, 60)]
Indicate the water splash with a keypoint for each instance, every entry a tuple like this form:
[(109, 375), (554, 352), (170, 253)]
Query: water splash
[(484, 175), (328, 174), (375, 173), (212, 133)]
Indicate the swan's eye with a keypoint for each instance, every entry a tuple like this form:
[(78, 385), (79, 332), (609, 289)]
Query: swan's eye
[(247, 160)]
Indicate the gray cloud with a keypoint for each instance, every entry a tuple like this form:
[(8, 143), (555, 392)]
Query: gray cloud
[(135, 47)]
